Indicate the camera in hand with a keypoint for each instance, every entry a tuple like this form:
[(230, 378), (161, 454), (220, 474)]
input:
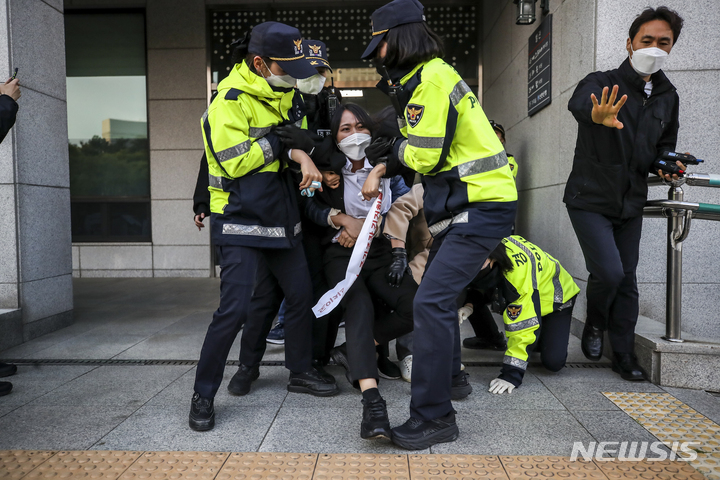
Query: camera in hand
[(667, 162)]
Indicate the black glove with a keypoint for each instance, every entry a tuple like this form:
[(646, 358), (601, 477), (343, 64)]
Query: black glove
[(398, 267), (379, 149), (275, 143), (294, 137)]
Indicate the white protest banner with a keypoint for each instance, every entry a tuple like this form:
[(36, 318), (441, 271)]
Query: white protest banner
[(332, 298)]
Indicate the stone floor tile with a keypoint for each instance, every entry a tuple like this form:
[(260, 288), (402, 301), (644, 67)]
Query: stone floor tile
[(53, 427), (588, 395), (89, 346), (609, 426), (700, 400), (34, 381), (531, 395)]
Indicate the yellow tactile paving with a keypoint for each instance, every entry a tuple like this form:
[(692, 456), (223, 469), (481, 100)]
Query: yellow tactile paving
[(522, 468), (648, 470), (18, 463), (672, 422), (359, 466), (100, 464), (176, 465), (284, 466), (708, 464), (456, 467)]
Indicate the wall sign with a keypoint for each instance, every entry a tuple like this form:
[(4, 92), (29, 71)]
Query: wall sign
[(540, 67)]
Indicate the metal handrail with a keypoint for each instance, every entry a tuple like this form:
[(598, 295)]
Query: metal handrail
[(679, 214)]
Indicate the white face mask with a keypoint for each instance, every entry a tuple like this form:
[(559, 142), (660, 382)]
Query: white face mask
[(647, 61), (312, 85), (354, 145), (282, 81)]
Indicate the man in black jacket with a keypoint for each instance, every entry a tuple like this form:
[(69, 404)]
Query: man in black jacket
[(617, 144)]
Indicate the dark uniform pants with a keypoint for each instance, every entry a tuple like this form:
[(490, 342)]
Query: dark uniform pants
[(241, 266), (454, 261), (611, 247)]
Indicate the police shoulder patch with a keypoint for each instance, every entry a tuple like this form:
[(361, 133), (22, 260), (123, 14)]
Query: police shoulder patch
[(513, 311), (414, 114)]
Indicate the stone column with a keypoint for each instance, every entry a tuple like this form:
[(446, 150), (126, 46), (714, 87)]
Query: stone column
[(35, 242)]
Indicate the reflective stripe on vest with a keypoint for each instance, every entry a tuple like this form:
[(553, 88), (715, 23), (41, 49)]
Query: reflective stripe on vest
[(425, 142), (215, 182), (458, 92), (514, 327), (233, 152), (557, 285), (267, 150), (401, 153), (257, 132), (515, 362), (483, 165), (438, 227)]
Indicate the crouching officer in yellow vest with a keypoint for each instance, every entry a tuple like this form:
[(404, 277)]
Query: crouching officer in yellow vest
[(535, 295), (469, 202), (255, 221)]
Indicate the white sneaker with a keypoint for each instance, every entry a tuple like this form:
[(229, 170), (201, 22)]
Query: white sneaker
[(406, 368)]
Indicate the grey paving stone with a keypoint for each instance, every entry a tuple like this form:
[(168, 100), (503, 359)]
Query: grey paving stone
[(6, 408), (516, 432), (36, 346), (32, 382), (531, 395), (568, 376), (332, 430), (237, 429), (613, 427), (699, 400), (89, 346), (53, 427), (128, 386), (267, 391), (588, 396)]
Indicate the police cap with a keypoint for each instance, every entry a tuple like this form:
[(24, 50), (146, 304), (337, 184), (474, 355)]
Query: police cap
[(395, 13), (282, 44), (497, 127), (316, 53)]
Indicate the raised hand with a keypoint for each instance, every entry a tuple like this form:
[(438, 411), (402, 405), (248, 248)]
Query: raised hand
[(605, 112)]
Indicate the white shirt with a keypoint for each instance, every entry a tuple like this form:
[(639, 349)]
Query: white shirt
[(355, 205), (648, 88)]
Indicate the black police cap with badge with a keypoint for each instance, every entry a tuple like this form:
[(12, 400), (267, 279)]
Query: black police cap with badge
[(316, 53), (395, 13), (282, 44)]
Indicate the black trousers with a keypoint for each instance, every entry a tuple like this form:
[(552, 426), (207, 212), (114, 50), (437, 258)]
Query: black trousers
[(611, 247), (363, 324), (482, 320), (454, 262), (266, 301), (241, 267)]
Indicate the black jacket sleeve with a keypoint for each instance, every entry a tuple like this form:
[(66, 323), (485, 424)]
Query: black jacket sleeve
[(580, 104), (201, 197), (8, 113)]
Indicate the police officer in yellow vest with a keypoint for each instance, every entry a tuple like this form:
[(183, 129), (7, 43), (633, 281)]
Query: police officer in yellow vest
[(500, 132), (469, 202), (535, 295), (255, 221)]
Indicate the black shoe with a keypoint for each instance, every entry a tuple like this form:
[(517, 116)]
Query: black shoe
[(418, 435), (317, 365), (5, 388), (202, 413), (339, 356), (387, 368), (626, 365), (461, 387), (313, 383), (7, 369), (375, 423), (477, 343), (592, 342), (243, 378)]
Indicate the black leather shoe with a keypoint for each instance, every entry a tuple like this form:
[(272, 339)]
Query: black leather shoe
[(461, 387), (7, 369), (477, 343), (313, 383), (387, 368), (317, 365), (202, 413), (339, 356), (626, 365), (416, 434), (243, 378), (5, 388), (592, 342), (375, 423)]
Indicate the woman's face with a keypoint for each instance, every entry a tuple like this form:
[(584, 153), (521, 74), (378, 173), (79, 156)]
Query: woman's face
[(349, 125), (331, 179)]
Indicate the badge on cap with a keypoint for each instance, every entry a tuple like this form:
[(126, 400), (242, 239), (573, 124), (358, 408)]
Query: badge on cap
[(414, 114), (315, 50), (298, 46)]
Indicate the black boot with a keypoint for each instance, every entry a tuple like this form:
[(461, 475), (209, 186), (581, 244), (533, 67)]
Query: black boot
[(202, 413), (626, 365), (7, 369), (320, 367), (592, 342), (477, 343), (416, 434), (339, 356), (243, 378), (461, 387), (375, 422), (386, 367), (5, 388), (313, 383)]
